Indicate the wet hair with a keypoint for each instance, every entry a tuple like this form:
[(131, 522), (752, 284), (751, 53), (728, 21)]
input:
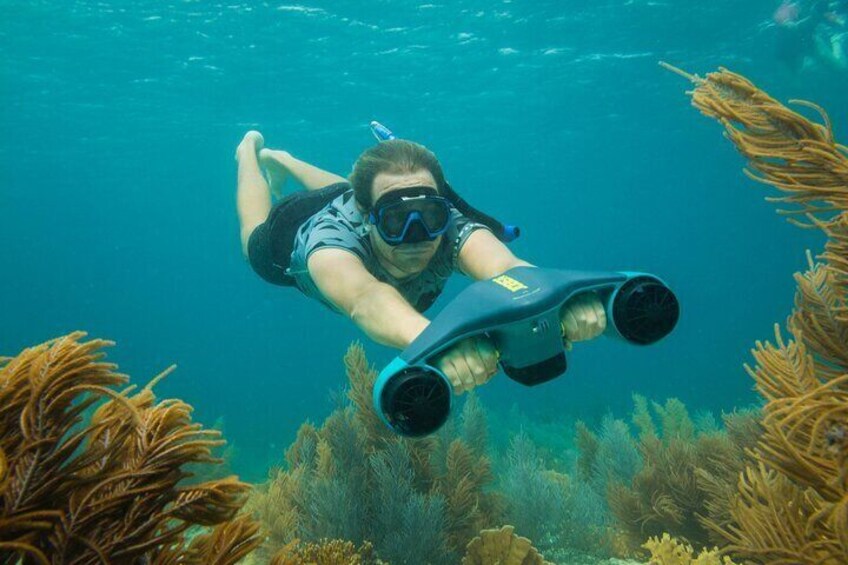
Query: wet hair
[(394, 157)]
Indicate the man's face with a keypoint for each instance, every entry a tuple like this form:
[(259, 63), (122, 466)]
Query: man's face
[(406, 259)]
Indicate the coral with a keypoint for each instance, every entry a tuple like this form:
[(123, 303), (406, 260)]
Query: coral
[(609, 457), (553, 434), (586, 526), (227, 543), (617, 460), (792, 505), (474, 428), (458, 467), (326, 552), (682, 470), (224, 454), (273, 505), (642, 419), (669, 551), (705, 422), (110, 487), (501, 547), (406, 522), (361, 376), (557, 511), (535, 497), (353, 479), (743, 430), (662, 481), (675, 420), (587, 445)]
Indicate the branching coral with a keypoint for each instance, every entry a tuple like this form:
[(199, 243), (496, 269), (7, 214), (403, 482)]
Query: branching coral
[(669, 551), (502, 547), (682, 470), (617, 459), (353, 479), (560, 512), (361, 376), (783, 148), (587, 445), (226, 454), (454, 463), (536, 498), (793, 154), (460, 483), (792, 507), (228, 543), (108, 489), (326, 552), (408, 525), (743, 429)]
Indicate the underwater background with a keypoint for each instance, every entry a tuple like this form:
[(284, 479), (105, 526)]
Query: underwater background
[(119, 122)]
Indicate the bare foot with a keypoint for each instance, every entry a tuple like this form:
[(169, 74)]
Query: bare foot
[(273, 163), (252, 142)]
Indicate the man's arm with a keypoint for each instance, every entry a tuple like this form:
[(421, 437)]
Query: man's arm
[(376, 307), (387, 318), (483, 256)]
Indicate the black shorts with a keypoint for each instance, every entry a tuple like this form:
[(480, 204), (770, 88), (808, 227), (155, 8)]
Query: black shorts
[(269, 247)]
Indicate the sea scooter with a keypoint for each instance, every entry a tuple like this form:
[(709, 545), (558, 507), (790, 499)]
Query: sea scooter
[(519, 311)]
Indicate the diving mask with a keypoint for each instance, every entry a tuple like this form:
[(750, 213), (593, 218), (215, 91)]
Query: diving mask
[(411, 215)]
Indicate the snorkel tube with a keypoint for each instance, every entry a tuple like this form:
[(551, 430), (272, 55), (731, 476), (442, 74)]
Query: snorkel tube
[(381, 132), (504, 232), (519, 312)]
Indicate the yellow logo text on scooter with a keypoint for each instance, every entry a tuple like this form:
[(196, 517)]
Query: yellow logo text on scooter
[(509, 283)]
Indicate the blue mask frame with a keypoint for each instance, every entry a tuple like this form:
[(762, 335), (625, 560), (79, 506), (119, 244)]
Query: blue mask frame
[(415, 229)]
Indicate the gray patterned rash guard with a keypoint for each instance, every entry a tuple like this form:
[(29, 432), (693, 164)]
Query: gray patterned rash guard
[(341, 225)]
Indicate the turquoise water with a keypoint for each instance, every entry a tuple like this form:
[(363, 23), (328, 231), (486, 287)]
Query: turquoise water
[(117, 182)]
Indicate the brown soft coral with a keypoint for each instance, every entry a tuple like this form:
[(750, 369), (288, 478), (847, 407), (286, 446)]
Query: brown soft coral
[(682, 472), (792, 506), (107, 489), (352, 460), (501, 547)]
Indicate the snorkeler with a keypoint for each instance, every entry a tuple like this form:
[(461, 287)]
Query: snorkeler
[(831, 35), (811, 33), (795, 24), (383, 248)]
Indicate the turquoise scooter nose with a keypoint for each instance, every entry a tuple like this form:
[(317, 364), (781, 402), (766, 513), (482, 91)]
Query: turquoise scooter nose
[(519, 312)]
